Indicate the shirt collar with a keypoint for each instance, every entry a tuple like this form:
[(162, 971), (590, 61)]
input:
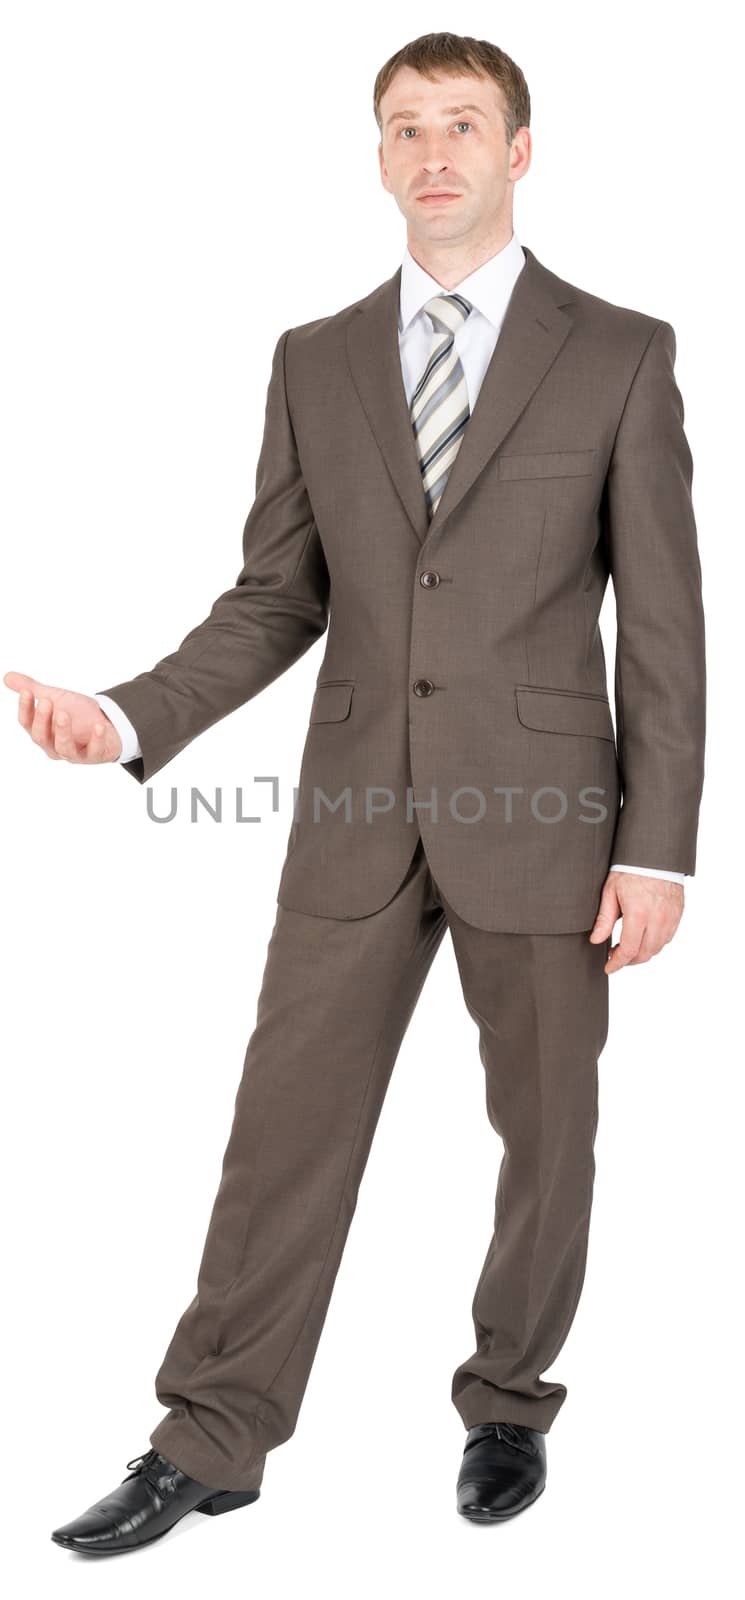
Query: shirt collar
[(488, 288)]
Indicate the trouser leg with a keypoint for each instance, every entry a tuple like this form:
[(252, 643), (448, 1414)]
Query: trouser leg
[(541, 1005), (335, 1001)]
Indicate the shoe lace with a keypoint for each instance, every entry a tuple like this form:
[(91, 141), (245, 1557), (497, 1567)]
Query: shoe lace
[(512, 1432), (514, 1435), (140, 1464)]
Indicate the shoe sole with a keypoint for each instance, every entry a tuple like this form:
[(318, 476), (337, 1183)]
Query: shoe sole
[(483, 1514), (226, 1500)]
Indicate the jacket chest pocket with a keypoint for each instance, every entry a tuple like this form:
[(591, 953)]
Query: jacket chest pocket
[(332, 700)]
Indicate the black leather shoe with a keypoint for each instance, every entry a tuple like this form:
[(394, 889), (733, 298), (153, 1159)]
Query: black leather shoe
[(154, 1497), (503, 1470)]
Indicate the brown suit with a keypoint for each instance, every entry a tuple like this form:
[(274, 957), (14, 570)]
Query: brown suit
[(463, 660)]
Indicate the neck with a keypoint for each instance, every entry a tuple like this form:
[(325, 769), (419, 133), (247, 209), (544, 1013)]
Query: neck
[(450, 261)]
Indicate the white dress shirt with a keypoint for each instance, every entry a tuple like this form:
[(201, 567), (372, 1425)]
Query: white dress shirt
[(489, 289)]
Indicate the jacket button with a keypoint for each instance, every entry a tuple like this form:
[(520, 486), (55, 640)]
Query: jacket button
[(423, 686), (429, 580)]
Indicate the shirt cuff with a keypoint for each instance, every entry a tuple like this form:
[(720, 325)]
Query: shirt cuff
[(127, 733), (650, 872)]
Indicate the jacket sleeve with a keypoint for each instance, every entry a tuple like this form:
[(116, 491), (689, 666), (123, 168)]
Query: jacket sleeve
[(660, 669), (276, 609)]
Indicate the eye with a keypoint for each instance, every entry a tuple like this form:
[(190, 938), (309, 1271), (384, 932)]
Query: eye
[(404, 131)]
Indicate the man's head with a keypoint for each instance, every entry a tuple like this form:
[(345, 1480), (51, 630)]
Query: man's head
[(453, 114)]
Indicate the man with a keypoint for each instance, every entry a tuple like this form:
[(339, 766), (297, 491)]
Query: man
[(463, 457)]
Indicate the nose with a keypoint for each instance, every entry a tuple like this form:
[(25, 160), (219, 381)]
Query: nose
[(435, 163)]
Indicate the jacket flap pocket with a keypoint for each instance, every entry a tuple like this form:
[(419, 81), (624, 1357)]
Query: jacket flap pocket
[(549, 464), (331, 702), (564, 711)]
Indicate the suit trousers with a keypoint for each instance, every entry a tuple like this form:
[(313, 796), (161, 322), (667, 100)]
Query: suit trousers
[(335, 1002)]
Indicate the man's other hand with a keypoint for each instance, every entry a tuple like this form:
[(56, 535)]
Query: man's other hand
[(65, 725), (650, 908)]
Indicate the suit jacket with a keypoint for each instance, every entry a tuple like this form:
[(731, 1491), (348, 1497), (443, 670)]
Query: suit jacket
[(462, 693)]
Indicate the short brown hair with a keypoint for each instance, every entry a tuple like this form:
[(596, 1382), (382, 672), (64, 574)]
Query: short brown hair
[(436, 53)]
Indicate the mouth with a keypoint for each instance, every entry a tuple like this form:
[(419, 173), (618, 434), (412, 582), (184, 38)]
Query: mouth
[(437, 197)]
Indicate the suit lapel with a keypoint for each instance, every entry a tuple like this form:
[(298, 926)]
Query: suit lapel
[(533, 332)]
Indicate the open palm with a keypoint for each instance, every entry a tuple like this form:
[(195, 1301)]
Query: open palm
[(65, 725)]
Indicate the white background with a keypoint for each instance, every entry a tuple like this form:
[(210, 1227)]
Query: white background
[(180, 183)]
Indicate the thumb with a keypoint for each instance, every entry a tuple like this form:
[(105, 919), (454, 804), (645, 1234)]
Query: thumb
[(609, 911), (20, 681)]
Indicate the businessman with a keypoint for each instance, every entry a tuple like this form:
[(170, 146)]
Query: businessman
[(452, 469)]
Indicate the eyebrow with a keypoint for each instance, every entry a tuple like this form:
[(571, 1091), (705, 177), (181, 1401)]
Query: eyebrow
[(450, 110)]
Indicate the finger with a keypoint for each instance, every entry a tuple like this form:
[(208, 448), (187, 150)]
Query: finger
[(41, 729), (617, 960), (96, 748), (26, 705), (64, 744), (652, 941), (632, 932), (644, 953)]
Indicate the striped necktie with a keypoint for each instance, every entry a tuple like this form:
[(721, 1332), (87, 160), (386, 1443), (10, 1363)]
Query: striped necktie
[(439, 406)]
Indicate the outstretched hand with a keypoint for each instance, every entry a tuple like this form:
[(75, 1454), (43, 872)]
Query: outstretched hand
[(66, 726), (650, 908)]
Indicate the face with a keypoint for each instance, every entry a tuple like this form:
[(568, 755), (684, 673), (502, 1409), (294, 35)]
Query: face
[(447, 139)]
